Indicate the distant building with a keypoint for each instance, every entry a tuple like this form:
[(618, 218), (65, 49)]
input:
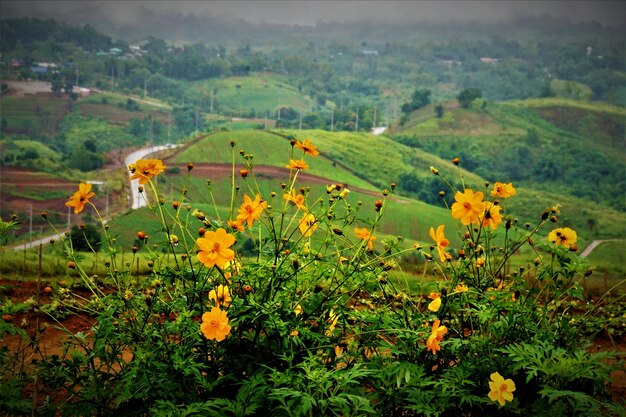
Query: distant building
[(39, 69), (488, 60), (115, 51), (370, 52)]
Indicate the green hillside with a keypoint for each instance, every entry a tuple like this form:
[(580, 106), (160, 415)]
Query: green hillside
[(560, 147), (240, 95)]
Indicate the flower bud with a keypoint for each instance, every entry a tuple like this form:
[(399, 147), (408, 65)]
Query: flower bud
[(393, 185), (176, 204), (378, 204), (201, 231), (385, 192), (189, 166), (434, 170), (243, 173), (232, 143), (242, 152), (292, 142), (44, 214), (442, 194), (140, 189), (71, 265), (134, 249)]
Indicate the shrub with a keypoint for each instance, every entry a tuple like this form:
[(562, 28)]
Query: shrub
[(309, 321)]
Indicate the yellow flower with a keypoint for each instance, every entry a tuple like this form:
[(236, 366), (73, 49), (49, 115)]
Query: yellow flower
[(297, 199), (441, 241), (332, 319), (461, 288), (468, 206), (503, 190), (307, 225), (298, 310), (80, 198), (563, 236), (297, 164), (501, 389), (435, 304), (307, 147), (215, 248), (480, 262), (144, 169), (214, 324), (235, 225), (436, 335), (295, 333), (491, 215), (365, 235), (250, 210), (220, 296)]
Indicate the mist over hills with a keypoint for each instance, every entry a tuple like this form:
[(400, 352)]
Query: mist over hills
[(269, 21)]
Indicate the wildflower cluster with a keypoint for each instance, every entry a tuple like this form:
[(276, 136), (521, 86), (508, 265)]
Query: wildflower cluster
[(294, 303)]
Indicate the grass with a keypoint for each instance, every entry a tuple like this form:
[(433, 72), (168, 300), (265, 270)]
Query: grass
[(610, 258), (29, 114), (268, 149), (260, 91)]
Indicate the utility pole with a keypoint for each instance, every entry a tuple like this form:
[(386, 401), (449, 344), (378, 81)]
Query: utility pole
[(332, 119), (212, 91), (375, 109), (30, 229), (356, 125), (77, 74), (300, 128), (145, 85), (169, 125)]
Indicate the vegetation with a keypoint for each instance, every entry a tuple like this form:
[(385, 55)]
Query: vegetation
[(309, 321)]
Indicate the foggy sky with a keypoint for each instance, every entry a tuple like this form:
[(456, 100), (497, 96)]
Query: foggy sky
[(606, 12)]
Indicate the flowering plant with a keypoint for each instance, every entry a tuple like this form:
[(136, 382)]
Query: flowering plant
[(289, 304)]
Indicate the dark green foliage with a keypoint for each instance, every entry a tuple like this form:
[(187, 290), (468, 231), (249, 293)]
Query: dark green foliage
[(467, 97), (85, 238), (420, 98)]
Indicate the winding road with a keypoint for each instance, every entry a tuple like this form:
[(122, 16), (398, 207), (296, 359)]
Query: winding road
[(136, 198)]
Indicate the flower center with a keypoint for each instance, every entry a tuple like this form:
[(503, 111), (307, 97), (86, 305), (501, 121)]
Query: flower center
[(214, 324), (503, 388), (216, 247), (467, 206)]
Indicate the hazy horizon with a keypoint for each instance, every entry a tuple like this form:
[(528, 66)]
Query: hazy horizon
[(607, 12)]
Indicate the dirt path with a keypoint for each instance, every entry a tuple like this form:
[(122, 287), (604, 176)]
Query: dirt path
[(594, 245)]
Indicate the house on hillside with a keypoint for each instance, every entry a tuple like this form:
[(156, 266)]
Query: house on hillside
[(38, 69), (488, 60), (370, 52)]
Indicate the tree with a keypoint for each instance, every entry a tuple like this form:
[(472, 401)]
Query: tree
[(439, 110), (420, 98), (85, 238), (467, 96)]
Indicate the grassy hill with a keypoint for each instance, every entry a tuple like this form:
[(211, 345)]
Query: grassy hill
[(239, 95), (569, 149)]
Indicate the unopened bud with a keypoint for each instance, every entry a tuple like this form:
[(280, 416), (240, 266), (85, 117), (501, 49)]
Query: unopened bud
[(434, 170), (189, 166)]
